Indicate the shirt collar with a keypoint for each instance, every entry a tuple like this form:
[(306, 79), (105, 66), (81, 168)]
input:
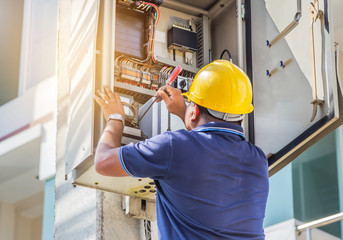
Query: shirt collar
[(221, 127)]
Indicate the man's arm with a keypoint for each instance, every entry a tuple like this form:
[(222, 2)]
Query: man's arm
[(106, 160)]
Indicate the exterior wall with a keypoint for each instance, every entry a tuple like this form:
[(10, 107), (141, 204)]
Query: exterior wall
[(115, 220), (11, 17)]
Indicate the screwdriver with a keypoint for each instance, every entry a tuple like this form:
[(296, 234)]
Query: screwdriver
[(177, 70)]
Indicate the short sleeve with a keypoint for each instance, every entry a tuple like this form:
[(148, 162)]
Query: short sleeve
[(149, 158)]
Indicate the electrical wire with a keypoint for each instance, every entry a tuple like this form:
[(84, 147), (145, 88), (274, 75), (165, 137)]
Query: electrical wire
[(228, 52), (131, 107), (157, 17)]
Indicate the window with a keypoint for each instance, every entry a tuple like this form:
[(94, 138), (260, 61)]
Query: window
[(315, 184)]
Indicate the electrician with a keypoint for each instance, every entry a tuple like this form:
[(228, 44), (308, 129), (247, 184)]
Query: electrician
[(211, 183)]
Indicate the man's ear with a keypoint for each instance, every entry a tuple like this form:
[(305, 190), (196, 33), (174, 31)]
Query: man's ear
[(195, 112)]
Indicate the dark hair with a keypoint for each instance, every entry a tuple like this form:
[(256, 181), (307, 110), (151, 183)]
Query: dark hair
[(208, 116), (203, 110)]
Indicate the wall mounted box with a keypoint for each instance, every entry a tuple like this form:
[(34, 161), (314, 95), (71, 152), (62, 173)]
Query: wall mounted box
[(280, 124), (182, 38)]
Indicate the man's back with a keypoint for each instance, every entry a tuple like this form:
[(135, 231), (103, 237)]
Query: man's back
[(214, 184)]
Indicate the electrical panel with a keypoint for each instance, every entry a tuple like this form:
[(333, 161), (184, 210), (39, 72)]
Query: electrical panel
[(143, 41), (138, 72)]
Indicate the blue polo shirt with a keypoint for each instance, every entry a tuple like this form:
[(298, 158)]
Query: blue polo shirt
[(211, 183)]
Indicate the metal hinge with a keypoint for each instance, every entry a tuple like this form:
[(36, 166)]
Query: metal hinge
[(243, 11)]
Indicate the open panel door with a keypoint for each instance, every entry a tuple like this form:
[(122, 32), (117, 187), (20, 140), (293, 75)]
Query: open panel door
[(81, 62), (296, 97), (90, 67)]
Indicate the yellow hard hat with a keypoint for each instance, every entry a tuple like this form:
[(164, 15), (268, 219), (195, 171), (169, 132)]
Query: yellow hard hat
[(223, 87)]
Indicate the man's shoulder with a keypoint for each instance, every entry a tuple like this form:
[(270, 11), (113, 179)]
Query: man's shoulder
[(258, 150)]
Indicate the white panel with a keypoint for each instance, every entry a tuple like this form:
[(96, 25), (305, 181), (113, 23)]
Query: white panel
[(282, 101), (79, 144), (85, 175)]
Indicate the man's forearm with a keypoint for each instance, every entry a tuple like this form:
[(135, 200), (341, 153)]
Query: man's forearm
[(106, 158), (112, 134)]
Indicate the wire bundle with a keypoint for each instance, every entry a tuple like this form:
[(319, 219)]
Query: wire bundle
[(157, 17), (131, 107), (144, 6)]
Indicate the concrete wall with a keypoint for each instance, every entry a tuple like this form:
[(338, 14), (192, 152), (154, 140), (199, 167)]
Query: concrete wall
[(116, 225)]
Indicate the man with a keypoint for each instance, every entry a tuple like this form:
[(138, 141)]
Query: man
[(211, 183)]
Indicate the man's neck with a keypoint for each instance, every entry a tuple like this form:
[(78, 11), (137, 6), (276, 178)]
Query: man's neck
[(200, 123)]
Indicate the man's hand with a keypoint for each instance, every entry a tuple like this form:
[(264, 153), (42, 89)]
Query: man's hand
[(174, 101), (109, 102), (106, 159)]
